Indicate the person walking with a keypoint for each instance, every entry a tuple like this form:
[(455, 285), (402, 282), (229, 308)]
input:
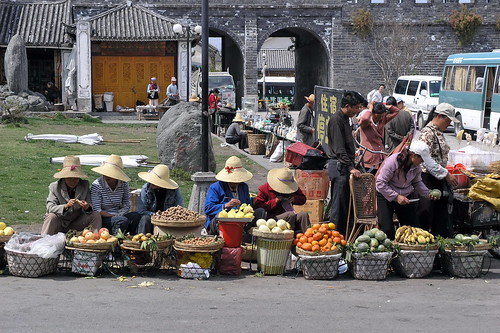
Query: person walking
[(376, 94), (153, 91), (400, 127), (173, 92), (305, 122), (341, 163), (433, 214)]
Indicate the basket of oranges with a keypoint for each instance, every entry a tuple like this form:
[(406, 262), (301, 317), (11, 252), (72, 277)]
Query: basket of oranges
[(319, 251)]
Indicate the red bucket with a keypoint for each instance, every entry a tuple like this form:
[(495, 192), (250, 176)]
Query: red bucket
[(232, 233)]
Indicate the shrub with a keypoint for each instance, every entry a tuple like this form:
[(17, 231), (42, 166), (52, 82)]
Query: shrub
[(363, 22), (465, 23)]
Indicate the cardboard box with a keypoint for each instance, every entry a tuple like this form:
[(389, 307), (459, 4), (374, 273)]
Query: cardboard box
[(314, 208), (314, 183)]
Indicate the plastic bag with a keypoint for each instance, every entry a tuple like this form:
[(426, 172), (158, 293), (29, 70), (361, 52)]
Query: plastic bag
[(44, 246)]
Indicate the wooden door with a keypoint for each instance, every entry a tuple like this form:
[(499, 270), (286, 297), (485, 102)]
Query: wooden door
[(128, 77)]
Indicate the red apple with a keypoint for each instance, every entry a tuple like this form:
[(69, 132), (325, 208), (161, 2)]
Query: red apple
[(96, 235), (103, 229), (105, 235)]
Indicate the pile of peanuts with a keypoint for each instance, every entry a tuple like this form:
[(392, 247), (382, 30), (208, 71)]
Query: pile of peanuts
[(176, 213), (198, 240)]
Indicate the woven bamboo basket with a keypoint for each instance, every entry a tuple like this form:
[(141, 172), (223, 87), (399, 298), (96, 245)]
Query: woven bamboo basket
[(372, 266), (257, 144), (477, 247), (311, 253), (249, 253), (414, 264), (320, 267), (272, 255), (213, 247), (162, 244), (143, 259), (271, 235), (179, 224), (462, 264), (408, 247), (30, 265), (94, 246)]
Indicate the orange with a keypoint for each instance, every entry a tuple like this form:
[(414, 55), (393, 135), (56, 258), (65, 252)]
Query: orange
[(303, 239), (325, 236), (322, 242), (307, 247), (341, 236), (329, 232), (314, 243), (308, 233), (299, 244), (309, 239), (337, 240), (316, 226), (335, 233), (331, 225), (317, 236), (343, 242), (322, 230), (334, 247), (324, 225), (295, 241), (299, 235), (315, 248)]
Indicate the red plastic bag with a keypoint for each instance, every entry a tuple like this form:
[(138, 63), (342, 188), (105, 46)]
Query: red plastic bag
[(230, 261)]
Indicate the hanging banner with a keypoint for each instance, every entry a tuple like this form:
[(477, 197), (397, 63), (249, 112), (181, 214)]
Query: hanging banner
[(327, 103)]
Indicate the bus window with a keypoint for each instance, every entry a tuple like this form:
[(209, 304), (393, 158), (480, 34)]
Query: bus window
[(401, 87), (497, 86), (475, 80), (412, 88), (459, 78), (448, 73)]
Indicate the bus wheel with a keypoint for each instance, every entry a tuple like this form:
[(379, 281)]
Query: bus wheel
[(458, 126), (420, 121)]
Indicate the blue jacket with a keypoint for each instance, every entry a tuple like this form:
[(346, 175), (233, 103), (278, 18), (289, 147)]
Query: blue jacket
[(219, 194)]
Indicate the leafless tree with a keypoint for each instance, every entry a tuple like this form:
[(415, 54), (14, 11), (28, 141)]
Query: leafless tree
[(397, 49)]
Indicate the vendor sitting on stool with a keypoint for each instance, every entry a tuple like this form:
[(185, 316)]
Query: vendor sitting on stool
[(234, 133), (278, 195), (230, 191), (158, 194), (68, 204)]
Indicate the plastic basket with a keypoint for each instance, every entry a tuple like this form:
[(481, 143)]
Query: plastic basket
[(257, 144), (414, 264), (86, 263), (232, 232), (30, 265), (320, 267), (373, 266), (462, 264), (272, 255)]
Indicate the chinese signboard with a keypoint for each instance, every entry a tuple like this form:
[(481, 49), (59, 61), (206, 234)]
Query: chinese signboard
[(327, 103)]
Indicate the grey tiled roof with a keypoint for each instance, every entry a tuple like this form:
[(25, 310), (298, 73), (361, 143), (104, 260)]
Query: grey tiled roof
[(277, 59), (40, 24), (131, 23)]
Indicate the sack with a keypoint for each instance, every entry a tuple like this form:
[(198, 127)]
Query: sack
[(313, 160), (277, 156), (230, 260), (44, 246)]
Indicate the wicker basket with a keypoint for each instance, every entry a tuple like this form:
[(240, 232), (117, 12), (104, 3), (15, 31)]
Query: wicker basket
[(213, 247), (30, 265), (143, 259), (311, 253), (272, 255), (417, 247), (179, 224), (414, 264), (257, 144), (462, 264), (249, 253), (94, 246), (271, 235), (162, 244), (373, 266), (320, 267)]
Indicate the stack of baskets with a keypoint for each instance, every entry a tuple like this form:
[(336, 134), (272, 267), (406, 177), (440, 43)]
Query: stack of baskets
[(257, 144), (319, 265), (414, 261), (462, 262)]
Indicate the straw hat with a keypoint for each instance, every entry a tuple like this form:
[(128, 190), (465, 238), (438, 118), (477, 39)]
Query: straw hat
[(194, 98), (310, 98), (238, 118), (112, 167), (173, 79), (71, 168), (281, 180), (159, 176), (234, 172)]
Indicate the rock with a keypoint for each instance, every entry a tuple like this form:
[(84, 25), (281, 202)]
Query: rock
[(16, 65), (16, 104), (179, 138)]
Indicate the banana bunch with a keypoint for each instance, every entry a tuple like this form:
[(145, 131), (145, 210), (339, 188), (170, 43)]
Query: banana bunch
[(414, 236), (244, 211)]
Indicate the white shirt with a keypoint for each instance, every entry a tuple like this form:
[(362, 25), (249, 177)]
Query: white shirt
[(374, 96)]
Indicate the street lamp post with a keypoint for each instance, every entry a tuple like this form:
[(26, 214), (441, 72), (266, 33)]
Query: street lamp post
[(187, 30), (264, 80)]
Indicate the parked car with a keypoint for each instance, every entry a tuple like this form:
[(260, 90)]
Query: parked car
[(420, 94)]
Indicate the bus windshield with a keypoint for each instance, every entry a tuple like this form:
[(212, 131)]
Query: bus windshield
[(220, 82), (434, 88)]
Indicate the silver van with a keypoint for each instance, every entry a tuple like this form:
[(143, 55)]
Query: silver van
[(420, 94)]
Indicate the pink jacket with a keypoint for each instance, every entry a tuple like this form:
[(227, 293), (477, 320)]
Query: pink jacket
[(372, 135)]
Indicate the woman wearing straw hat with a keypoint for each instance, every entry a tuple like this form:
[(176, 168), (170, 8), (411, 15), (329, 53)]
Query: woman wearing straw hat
[(305, 122), (68, 201), (278, 195), (158, 194), (234, 133), (110, 195), (229, 191)]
